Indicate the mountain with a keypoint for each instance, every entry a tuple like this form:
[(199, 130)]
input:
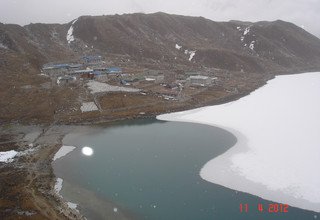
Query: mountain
[(234, 45), (242, 54)]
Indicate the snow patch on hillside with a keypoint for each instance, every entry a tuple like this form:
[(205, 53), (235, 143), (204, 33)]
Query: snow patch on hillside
[(3, 46), (251, 46), (191, 54), (246, 31), (178, 47), (70, 36), (7, 156)]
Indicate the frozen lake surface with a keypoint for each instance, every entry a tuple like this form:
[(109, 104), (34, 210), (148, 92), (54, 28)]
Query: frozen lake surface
[(277, 155)]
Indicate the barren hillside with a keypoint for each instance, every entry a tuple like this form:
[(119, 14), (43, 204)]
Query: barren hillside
[(242, 54)]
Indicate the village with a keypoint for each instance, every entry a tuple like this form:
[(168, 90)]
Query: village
[(99, 78)]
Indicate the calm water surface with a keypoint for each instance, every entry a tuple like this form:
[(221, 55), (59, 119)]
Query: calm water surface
[(150, 170)]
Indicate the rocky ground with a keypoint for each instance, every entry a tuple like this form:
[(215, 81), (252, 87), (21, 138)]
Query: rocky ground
[(27, 183)]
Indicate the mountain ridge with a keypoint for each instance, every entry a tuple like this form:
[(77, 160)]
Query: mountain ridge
[(238, 46)]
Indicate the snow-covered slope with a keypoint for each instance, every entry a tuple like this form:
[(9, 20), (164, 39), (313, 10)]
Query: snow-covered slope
[(7, 156), (70, 36), (277, 156)]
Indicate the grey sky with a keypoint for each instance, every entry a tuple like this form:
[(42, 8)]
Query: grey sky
[(304, 13)]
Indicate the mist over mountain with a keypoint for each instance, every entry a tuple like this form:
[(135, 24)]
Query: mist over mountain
[(303, 13)]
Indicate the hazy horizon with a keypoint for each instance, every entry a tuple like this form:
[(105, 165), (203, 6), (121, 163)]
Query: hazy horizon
[(303, 13)]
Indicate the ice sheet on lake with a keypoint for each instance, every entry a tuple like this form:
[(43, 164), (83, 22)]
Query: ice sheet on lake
[(57, 189), (277, 155), (58, 185), (7, 156), (64, 150), (72, 205)]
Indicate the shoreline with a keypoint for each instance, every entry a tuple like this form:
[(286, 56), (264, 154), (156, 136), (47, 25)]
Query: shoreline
[(82, 194), (29, 181), (238, 168), (38, 164)]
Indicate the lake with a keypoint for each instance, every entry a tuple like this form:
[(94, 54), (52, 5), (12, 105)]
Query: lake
[(149, 169)]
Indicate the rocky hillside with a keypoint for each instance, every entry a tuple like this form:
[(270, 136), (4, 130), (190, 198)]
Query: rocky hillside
[(234, 45), (242, 55), (164, 38)]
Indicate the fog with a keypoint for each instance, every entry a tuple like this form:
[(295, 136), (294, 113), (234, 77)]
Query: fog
[(303, 13)]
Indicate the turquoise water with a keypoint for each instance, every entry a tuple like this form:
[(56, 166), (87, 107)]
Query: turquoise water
[(150, 170)]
